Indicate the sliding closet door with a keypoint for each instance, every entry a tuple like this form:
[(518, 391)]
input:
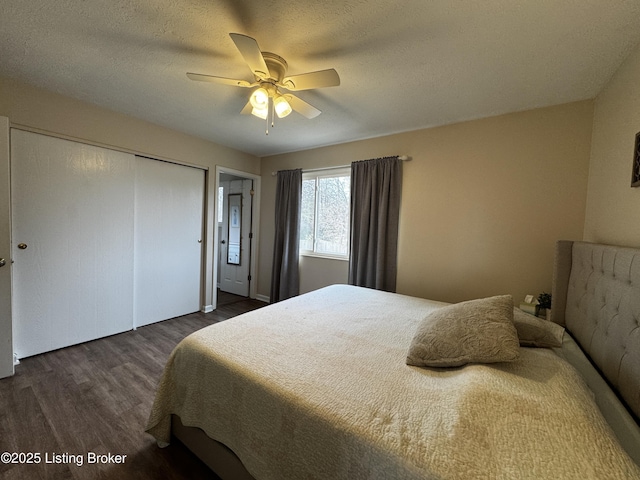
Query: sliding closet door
[(168, 240), (72, 242)]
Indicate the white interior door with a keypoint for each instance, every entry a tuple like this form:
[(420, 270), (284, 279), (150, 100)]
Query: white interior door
[(72, 242), (236, 225), (168, 240)]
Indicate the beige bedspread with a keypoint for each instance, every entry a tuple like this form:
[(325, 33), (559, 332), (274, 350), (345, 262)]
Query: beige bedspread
[(317, 387)]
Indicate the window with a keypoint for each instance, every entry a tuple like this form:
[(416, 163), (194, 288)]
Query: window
[(326, 198)]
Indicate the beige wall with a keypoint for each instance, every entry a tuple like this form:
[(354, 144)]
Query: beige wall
[(483, 201), (613, 207), (318, 272), (38, 109)]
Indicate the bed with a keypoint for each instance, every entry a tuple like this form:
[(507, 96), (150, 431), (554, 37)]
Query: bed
[(318, 386)]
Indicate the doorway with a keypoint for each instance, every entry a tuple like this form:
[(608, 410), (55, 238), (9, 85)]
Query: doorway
[(237, 220)]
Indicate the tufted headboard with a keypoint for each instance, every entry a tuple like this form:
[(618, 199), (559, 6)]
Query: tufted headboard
[(596, 296)]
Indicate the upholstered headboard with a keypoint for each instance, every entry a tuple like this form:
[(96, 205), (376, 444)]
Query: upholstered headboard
[(596, 296)]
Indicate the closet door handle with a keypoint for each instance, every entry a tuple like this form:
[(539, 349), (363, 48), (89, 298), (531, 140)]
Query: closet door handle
[(3, 262)]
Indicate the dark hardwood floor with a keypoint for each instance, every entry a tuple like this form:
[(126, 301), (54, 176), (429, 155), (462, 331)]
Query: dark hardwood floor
[(225, 298), (96, 397)]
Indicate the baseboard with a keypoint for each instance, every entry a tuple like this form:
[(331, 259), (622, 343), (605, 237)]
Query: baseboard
[(263, 298), (207, 309)]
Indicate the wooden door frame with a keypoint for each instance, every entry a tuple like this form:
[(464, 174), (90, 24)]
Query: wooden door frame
[(255, 228), (6, 321)]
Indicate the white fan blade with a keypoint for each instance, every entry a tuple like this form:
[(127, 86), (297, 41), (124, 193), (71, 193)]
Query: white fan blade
[(307, 81), (251, 53), (225, 81), (302, 107)]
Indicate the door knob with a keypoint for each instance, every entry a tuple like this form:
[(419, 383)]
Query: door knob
[(22, 246), (223, 242), (3, 262)]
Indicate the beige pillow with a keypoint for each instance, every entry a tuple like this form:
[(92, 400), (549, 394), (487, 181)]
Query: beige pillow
[(536, 332), (477, 331)]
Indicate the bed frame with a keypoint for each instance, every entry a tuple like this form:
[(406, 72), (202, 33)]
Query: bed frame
[(596, 297), (217, 456)]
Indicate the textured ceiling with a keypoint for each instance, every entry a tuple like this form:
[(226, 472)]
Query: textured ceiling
[(403, 65)]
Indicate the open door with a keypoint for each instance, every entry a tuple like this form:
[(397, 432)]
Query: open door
[(235, 236)]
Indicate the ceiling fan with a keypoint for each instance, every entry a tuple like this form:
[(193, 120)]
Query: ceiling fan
[(272, 97)]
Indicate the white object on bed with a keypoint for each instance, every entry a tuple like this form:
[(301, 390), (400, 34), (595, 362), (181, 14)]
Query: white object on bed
[(317, 387)]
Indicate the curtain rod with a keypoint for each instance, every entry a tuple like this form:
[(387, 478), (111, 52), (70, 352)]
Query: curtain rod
[(404, 158)]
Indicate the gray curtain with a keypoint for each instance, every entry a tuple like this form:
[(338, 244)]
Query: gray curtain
[(375, 209), (285, 278)]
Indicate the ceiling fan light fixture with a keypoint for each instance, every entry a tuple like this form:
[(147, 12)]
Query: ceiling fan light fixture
[(260, 99), (260, 112), (281, 106), (270, 74)]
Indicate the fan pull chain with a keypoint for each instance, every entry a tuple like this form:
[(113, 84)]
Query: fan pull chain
[(271, 112), (268, 110)]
